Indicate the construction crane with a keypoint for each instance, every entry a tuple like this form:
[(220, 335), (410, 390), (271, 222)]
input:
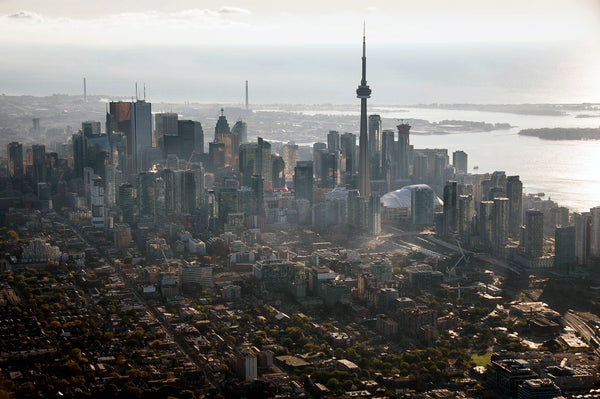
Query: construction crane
[(451, 271), (459, 288), (163, 254)]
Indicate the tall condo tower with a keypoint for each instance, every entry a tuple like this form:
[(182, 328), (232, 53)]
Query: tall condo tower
[(363, 92)]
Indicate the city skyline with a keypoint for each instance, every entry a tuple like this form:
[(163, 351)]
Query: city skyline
[(155, 243)]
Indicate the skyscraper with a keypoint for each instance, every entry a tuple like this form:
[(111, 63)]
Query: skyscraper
[(421, 208), (348, 148), (97, 200), (332, 169), (595, 232), (500, 226), (126, 201), (403, 151), (514, 192), (564, 248), (14, 151), (231, 141), (188, 194), (38, 163), (374, 138), (191, 138), (317, 147), (464, 217), (534, 234), (216, 154), (290, 157), (134, 120), (459, 161), (303, 180), (486, 224), (364, 92), (277, 171), (166, 125), (582, 236), (333, 141), (255, 159), (141, 124), (388, 157), (90, 128), (79, 153), (241, 129), (450, 208)]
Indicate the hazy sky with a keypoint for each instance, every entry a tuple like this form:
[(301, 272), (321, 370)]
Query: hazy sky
[(308, 21), (58, 42)]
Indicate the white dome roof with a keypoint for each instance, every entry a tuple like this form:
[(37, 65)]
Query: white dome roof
[(402, 198), (337, 193)]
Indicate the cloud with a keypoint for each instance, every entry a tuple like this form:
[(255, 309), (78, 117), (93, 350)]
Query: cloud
[(187, 26), (25, 15), (233, 10)]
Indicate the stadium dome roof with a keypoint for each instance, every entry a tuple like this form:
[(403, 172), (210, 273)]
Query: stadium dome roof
[(402, 198)]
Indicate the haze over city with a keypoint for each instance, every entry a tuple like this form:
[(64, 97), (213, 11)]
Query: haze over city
[(303, 52)]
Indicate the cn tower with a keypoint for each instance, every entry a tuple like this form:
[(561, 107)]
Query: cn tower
[(363, 92)]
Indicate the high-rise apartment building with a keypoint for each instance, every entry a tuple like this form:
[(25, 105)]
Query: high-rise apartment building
[(595, 232), (500, 226), (564, 248), (582, 223), (514, 193), (486, 224), (403, 151), (97, 201), (450, 223), (534, 233)]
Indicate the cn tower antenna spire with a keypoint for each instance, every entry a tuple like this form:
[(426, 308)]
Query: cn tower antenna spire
[(363, 82), (364, 92)]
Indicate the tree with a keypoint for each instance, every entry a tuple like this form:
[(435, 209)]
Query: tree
[(12, 235), (187, 394), (333, 383)]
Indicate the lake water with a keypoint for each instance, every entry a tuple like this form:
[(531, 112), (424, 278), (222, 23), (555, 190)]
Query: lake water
[(567, 171)]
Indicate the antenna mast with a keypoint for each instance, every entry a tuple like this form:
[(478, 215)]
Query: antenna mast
[(246, 95)]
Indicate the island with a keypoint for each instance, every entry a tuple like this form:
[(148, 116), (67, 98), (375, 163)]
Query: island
[(561, 133)]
